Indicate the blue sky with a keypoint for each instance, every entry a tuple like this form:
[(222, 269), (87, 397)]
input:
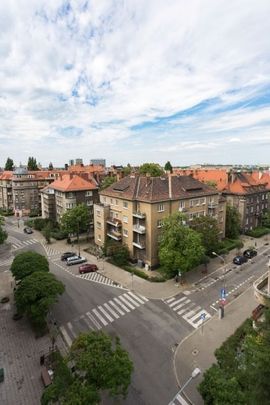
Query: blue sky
[(135, 81)]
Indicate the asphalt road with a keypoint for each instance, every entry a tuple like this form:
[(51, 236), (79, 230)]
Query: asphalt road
[(149, 329)]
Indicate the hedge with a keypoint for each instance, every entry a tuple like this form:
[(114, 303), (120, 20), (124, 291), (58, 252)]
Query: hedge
[(258, 232)]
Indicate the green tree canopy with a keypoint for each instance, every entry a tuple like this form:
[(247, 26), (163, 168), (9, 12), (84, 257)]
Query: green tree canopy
[(232, 222), (76, 220), (168, 167), (266, 219), (127, 169), (180, 247), (3, 233), (26, 263), (36, 294), (9, 164), (153, 169), (50, 166), (208, 228), (32, 164), (103, 362), (107, 181)]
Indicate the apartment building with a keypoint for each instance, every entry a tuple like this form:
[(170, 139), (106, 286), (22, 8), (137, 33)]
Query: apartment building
[(132, 211), (66, 192), (6, 199)]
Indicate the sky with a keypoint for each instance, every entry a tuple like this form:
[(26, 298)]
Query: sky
[(135, 81)]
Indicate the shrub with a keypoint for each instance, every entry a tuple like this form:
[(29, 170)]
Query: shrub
[(258, 232), (6, 212), (59, 234)]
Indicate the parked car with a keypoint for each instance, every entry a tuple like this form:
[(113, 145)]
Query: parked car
[(87, 268), (75, 260), (28, 230), (240, 260), (66, 255), (249, 253)]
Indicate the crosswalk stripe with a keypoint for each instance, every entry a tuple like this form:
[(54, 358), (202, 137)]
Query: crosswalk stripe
[(131, 300), (100, 317), (105, 313), (95, 322), (121, 304), (126, 302), (116, 307), (170, 300), (181, 400), (176, 302), (70, 327), (182, 304), (86, 320), (192, 312), (183, 310), (66, 336), (143, 298), (136, 297), (111, 311)]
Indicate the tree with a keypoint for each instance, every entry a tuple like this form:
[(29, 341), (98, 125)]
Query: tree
[(232, 222), (266, 219), (152, 169), (9, 164), (119, 253), (107, 181), (180, 247), (76, 220), (36, 294), (127, 169), (208, 228), (32, 164), (168, 167), (47, 233), (3, 233), (102, 361), (26, 263), (50, 166)]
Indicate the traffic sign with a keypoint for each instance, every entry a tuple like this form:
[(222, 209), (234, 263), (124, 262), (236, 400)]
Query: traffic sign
[(203, 316), (223, 293)]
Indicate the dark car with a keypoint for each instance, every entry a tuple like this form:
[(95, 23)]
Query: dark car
[(249, 253), (240, 260), (28, 230), (87, 268), (66, 255)]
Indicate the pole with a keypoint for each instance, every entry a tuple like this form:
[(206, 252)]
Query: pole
[(78, 240)]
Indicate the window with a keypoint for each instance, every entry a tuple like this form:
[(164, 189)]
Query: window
[(125, 219), (251, 210), (160, 207), (98, 213), (70, 195), (125, 232), (181, 205), (202, 200), (88, 193), (99, 225), (89, 203), (99, 237), (125, 204), (116, 202), (247, 221), (111, 201), (160, 223), (262, 196)]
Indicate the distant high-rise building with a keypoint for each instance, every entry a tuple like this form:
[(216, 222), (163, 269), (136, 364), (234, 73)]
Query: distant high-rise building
[(71, 162), (101, 162), (78, 161)]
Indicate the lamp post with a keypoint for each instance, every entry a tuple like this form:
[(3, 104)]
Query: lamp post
[(78, 240), (223, 291), (194, 374)]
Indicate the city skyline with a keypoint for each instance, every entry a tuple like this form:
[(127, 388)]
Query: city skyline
[(135, 81)]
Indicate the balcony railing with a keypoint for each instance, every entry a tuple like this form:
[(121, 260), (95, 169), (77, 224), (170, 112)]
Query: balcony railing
[(139, 215), (139, 244), (114, 222), (139, 229), (114, 235), (212, 205)]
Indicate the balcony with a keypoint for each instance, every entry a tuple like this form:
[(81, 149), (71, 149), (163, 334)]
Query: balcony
[(212, 205), (114, 235), (139, 244), (139, 215), (139, 229), (114, 222)]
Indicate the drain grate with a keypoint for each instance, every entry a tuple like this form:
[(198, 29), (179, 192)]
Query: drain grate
[(195, 352)]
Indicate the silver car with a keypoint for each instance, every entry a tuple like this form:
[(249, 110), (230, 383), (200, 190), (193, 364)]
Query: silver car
[(75, 260)]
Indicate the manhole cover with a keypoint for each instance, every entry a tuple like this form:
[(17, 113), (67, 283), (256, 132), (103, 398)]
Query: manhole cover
[(195, 352)]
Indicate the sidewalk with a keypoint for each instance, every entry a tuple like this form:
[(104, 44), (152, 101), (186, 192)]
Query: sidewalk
[(197, 349), (152, 290)]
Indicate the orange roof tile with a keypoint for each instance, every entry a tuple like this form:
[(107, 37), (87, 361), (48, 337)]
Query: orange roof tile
[(70, 182), (6, 175)]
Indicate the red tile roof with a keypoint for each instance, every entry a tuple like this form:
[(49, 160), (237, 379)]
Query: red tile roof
[(72, 182), (6, 175)]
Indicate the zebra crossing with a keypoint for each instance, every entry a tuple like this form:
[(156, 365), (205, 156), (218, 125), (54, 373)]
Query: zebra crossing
[(102, 315), (20, 244), (99, 278), (50, 252), (179, 400), (188, 310), (6, 262)]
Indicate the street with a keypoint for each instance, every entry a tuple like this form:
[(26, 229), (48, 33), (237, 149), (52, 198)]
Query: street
[(150, 329)]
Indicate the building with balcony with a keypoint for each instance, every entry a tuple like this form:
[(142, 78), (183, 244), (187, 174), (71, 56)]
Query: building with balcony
[(6, 197), (132, 211), (65, 193)]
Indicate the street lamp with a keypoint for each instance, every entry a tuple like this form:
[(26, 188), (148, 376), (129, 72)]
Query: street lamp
[(223, 291), (194, 374)]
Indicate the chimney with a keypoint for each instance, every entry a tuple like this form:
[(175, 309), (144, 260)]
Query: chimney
[(170, 185)]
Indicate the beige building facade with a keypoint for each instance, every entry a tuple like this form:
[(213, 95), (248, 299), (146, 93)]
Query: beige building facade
[(132, 211)]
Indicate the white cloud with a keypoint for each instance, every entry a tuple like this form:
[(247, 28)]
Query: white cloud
[(112, 65)]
